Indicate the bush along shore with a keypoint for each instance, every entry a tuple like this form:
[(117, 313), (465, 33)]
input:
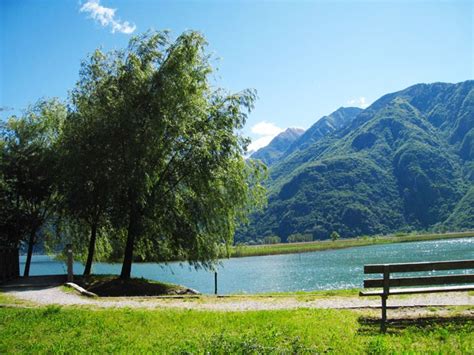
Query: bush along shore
[(289, 248)]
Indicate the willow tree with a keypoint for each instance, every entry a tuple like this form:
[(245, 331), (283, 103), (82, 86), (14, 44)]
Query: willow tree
[(85, 182), (29, 165), (171, 148), (12, 224)]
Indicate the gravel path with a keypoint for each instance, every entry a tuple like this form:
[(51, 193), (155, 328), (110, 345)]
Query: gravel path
[(56, 296)]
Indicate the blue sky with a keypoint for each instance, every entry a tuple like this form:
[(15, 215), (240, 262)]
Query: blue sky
[(305, 58)]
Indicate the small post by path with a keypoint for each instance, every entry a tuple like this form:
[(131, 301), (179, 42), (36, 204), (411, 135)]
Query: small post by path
[(70, 272), (386, 285), (215, 282)]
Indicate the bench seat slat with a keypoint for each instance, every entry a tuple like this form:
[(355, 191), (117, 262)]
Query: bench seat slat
[(422, 281), (405, 291), (421, 266)]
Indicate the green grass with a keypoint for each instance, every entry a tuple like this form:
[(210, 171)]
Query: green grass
[(297, 295), (55, 329), (7, 299), (69, 289), (289, 248)]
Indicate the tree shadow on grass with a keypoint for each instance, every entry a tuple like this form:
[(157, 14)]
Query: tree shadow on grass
[(371, 325), (113, 286), (31, 283)]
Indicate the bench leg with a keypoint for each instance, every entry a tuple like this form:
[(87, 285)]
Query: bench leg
[(383, 325)]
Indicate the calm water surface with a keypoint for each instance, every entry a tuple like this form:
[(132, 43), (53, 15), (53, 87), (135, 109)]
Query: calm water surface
[(323, 270)]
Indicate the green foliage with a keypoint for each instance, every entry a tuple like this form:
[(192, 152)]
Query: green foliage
[(107, 247), (298, 238), (146, 163), (403, 164), (334, 236), (85, 180), (28, 171), (53, 330), (462, 216), (167, 148)]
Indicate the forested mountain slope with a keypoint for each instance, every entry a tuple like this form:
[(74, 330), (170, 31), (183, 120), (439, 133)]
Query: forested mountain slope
[(303, 148), (404, 163), (323, 127)]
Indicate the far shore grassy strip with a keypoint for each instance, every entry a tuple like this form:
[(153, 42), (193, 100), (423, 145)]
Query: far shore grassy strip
[(289, 248), (55, 329)]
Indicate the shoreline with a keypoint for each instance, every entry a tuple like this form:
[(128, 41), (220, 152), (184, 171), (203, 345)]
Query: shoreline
[(242, 251), (307, 247)]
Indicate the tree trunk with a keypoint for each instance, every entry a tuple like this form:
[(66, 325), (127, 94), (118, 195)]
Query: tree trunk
[(90, 254), (133, 231), (31, 243)]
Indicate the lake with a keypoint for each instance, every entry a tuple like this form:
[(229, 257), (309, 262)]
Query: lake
[(321, 270)]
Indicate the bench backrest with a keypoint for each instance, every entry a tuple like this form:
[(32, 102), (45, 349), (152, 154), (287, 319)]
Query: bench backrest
[(386, 269)]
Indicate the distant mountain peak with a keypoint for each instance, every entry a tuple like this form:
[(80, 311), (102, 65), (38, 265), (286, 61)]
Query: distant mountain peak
[(294, 138), (295, 131), (340, 118), (278, 145)]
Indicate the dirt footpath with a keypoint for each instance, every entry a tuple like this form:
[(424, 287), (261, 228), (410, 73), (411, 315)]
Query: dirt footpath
[(57, 295)]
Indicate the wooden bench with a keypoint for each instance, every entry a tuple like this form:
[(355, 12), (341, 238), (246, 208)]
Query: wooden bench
[(411, 284)]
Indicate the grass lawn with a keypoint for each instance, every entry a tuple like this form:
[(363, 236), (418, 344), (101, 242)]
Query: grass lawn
[(288, 248), (55, 329), (317, 294)]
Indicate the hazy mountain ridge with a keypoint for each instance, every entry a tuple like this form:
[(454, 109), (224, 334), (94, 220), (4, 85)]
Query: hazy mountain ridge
[(294, 139), (404, 163), (325, 126), (278, 146), (304, 149)]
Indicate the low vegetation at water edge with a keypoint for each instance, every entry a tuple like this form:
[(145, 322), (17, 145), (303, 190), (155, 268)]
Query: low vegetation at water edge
[(288, 248)]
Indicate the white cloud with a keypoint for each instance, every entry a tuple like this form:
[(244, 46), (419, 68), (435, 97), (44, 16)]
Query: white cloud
[(265, 132), (266, 129), (360, 102), (106, 17), (259, 143)]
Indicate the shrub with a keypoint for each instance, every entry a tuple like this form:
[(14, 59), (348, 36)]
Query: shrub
[(335, 236), (271, 240), (298, 237)]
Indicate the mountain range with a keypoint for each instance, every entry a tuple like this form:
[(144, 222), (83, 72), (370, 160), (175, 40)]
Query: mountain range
[(404, 163)]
